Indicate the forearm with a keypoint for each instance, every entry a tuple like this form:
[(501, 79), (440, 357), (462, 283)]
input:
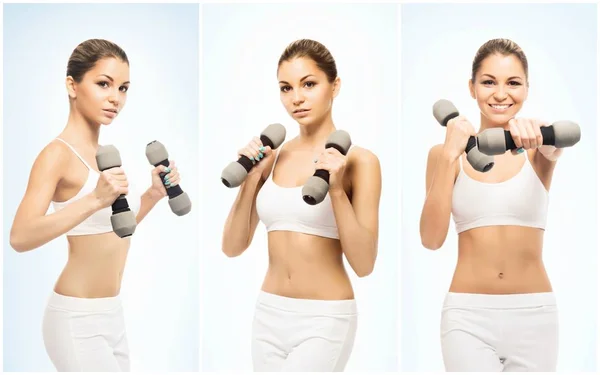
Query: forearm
[(358, 243), (551, 153), (33, 233), (239, 226), (435, 217), (147, 202)]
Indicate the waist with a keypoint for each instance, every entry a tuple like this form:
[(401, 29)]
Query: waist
[(307, 306), (77, 304), (499, 301)]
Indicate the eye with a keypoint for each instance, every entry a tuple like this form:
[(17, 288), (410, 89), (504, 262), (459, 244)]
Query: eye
[(514, 83), (488, 82), (103, 84), (285, 88), (310, 84), (124, 88)]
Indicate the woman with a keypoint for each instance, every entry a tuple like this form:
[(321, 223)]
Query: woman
[(500, 313), (83, 325), (306, 315)]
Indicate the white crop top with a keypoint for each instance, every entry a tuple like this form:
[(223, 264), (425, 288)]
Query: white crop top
[(99, 221), (284, 209), (522, 200)]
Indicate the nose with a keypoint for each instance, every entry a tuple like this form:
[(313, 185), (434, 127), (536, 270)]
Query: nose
[(500, 93), (298, 98), (113, 98)]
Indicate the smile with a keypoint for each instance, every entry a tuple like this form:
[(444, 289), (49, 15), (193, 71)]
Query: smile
[(301, 110), (500, 106)]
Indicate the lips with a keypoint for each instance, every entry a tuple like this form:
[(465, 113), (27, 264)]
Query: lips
[(111, 110), (301, 110)]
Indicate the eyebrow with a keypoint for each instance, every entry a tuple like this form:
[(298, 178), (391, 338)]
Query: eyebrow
[(303, 78), (513, 77), (111, 79)]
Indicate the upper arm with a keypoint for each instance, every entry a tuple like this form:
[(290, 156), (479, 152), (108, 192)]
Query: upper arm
[(543, 167), (432, 158), (43, 179), (366, 190)]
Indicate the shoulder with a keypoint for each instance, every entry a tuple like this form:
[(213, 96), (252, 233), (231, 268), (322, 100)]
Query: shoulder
[(363, 163), (54, 153)]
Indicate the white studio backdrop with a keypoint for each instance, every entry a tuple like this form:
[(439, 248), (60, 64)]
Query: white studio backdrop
[(241, 47), (438, 46), (160, 285)]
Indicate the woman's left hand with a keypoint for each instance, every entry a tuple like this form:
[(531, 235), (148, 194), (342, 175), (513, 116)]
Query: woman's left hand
[(527, 135), (334, 162), (171, 179)]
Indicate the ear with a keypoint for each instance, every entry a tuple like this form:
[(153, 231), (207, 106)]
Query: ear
[(337, 84), (472, 89), (71, 87)]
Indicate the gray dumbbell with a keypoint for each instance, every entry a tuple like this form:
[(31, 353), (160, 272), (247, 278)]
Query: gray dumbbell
[(123, 219), (236, 172), (560, 134), (317, 186), (444, 111), (180, 203)]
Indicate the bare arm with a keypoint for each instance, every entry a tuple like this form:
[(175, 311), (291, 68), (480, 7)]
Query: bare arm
[(544, 163), (242, 221), (31, 227), (358, 222), (147, 202), (435, 216), (243, 218)]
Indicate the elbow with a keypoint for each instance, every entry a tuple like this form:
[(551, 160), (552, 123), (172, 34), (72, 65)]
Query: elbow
[(17, 243), (232, 250), (364, 271), (431, 243)]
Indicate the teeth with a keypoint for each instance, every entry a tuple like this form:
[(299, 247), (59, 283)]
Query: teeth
[(500, 106)]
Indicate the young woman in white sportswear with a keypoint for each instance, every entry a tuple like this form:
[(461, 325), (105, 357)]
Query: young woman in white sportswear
[(83, 326), (306, 315), (500, 313)]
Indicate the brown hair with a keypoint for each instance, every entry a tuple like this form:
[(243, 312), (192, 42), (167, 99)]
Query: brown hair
[(315, 51), (500, 46), (87, 54)]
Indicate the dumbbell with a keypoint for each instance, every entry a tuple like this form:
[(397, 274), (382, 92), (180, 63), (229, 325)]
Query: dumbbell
[(444, 111), (122, 219), (317, 186), (236, 172), (180, 203), (497, 141)]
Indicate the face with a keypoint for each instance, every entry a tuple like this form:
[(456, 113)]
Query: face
[(305, 92), (102, 92), (500, 88)]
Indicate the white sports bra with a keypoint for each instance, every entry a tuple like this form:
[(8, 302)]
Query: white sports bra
[(99, 221), (284, 209), (522, 200)]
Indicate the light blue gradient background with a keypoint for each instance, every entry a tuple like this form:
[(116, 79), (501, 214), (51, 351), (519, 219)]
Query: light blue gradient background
[(438, 45), (241, 47), (160, 285)]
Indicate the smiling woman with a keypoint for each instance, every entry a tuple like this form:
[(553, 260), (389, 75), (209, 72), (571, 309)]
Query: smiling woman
[(83, 326), (500, 282)]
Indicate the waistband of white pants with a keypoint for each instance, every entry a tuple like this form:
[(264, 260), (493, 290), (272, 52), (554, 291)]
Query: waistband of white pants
[(308, 306), (499, 301), (77, 304)]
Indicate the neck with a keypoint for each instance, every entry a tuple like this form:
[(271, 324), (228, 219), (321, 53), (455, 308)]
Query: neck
[(82, 129), (316, 134)]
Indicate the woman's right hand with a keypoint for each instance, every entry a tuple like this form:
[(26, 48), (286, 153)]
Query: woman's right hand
[(258, 154), (458, 131), (111, 184)]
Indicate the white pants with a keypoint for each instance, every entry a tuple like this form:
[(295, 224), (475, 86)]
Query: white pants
[(85, 334), (290, 334), (512, 332)]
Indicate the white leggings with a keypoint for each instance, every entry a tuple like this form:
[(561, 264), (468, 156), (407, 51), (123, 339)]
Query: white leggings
[(290, 334), (512, 332), (85, 334)]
